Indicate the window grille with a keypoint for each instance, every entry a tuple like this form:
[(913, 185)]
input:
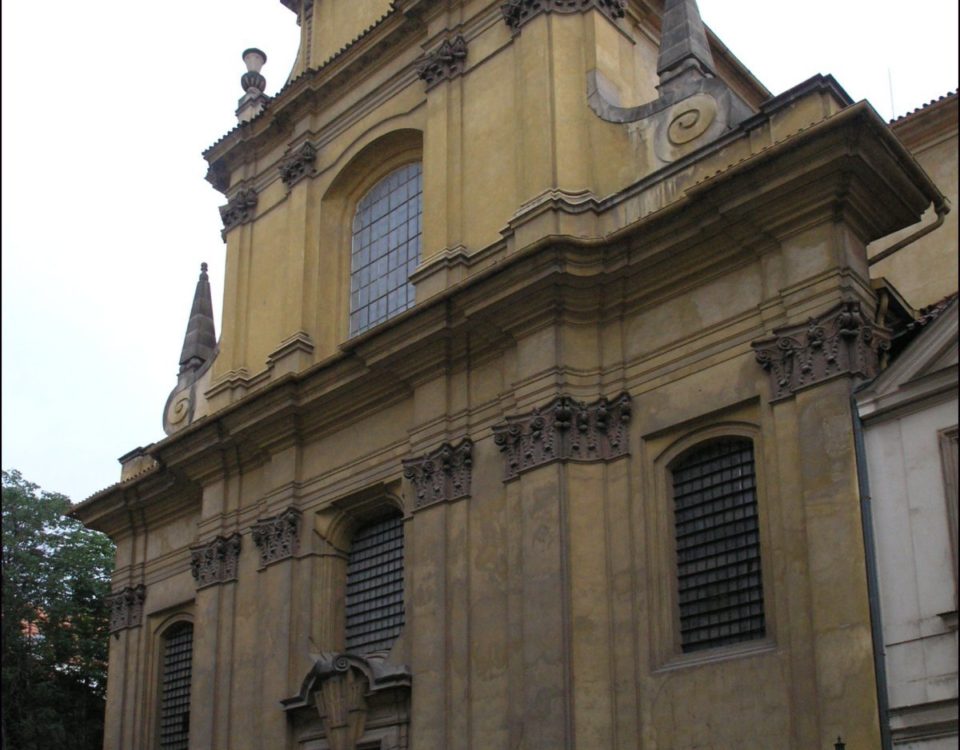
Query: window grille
[(375, 586), (718, 545), (175, 688), (386, 248)]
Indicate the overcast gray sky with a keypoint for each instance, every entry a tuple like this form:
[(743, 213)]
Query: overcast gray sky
[(107, 105)]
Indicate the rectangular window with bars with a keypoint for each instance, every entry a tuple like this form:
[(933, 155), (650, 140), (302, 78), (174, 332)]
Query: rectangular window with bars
[(720, 588), (175, 688), (375, 611)]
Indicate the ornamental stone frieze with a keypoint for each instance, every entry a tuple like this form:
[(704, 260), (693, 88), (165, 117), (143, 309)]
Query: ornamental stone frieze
[(216, 561), (298, 165), (239, 209), (444, 63), (517, 12), (564, 430), (442, 475), (842, 341), (277, 537), (126, 608)]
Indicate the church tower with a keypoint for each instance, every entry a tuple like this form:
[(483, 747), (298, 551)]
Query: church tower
[(529, 422)]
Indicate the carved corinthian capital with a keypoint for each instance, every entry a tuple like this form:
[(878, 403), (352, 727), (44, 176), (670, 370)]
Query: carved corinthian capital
[(216, 561), (842, 341), (298, 165), (277, 537), (445, 62), (564, 430), (517, 12), (126, 608), (239, 209), (442, 475)]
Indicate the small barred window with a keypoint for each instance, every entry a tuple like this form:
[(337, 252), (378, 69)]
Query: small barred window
[(718, 545), (375, 586), (175, 688), (386, 248)]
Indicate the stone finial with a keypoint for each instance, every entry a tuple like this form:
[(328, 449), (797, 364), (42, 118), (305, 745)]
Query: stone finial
[(683, 42), (253, 84)]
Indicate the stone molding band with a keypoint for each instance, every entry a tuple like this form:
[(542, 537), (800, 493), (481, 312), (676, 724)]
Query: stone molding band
[(564, 430), (841, 341), (216, 561), (442, 475), (126, 607)]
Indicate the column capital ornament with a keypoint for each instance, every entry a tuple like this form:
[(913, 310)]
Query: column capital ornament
[(517, 12), (277, 537), (215, 561), (298, 164), (445, 62), (564, 430), (239, 209), (841, 341), (126, 607), (442, 475)]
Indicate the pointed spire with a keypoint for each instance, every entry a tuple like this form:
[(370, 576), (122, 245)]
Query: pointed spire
[(200, 341), (683, 41)]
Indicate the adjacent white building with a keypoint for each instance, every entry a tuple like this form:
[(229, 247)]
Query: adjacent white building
[(909, 416)]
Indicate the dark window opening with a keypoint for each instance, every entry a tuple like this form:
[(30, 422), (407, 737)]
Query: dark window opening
[(374, 604), (718, 545), (175, 688)]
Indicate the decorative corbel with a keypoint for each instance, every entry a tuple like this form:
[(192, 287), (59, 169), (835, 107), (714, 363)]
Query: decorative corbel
[(442, 475)]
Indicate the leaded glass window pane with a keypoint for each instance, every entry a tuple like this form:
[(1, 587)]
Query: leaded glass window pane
[(718, 545), (386, 248)]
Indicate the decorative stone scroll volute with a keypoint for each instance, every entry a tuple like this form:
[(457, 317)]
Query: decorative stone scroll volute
[(442, 475), (345, 688), (277, 537), (517, 12), (298, 165), (216, 561), (239, 209), (842, 341), (445, 62), (564, 430), (126, 608)]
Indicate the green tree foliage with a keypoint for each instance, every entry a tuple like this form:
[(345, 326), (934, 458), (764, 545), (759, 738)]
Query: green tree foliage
[(56, 577)]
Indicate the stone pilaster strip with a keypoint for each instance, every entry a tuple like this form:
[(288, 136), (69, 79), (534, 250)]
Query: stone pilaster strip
[(442, 475), (277, 537), (842, 341), (564, 430), (517, 12), (126, 608), (216, 561), (444, 63), (298, 165)]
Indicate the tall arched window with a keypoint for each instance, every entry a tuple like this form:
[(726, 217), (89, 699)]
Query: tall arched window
[(385, 248), (374, 605), (720, 588), (175, 673)]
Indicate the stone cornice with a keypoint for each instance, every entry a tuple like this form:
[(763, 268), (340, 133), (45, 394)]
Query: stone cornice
[(848, 165), (841, 341), (564, 430)]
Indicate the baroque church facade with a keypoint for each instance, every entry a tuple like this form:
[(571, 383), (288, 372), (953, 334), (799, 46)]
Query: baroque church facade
[(530, 421)]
